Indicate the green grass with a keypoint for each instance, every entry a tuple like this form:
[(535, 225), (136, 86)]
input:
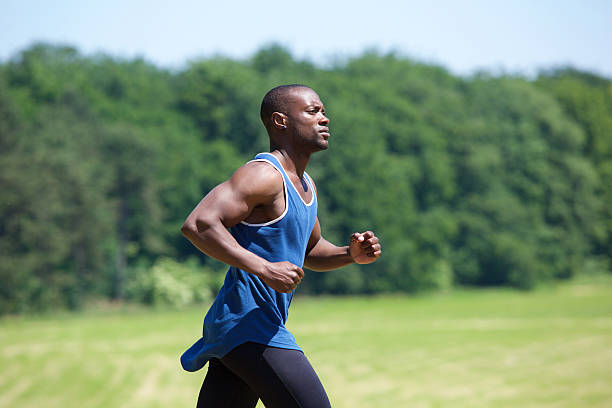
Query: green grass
[(493, 348)]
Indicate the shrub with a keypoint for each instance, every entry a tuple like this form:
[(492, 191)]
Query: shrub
[(172, 283)]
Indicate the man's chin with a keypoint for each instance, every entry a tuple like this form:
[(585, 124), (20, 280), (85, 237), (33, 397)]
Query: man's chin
[(320, 148)]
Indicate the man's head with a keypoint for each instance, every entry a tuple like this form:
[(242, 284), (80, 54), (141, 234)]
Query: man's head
[(295, 114)]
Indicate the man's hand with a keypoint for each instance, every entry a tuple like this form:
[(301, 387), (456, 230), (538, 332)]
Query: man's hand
[(282, 276), (364, 248)]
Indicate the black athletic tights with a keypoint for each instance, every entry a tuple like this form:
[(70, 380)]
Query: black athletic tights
[(281, 378)]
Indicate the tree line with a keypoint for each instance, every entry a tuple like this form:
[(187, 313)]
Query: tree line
[(481, 180)]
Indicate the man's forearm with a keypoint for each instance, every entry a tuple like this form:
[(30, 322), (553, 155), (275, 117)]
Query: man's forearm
[(215, 241), (325, 256)]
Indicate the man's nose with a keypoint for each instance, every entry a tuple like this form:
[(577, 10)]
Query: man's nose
[(324, 120)]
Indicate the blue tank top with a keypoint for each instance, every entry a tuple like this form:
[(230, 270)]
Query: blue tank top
[(246, 309)]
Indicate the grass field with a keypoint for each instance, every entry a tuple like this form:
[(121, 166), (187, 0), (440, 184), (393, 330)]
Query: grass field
[(493, 348)]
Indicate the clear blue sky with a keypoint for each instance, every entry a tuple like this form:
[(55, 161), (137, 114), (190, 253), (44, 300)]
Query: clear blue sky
[(516, 36)]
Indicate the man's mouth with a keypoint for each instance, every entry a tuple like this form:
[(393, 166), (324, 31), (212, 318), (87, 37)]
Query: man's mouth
[(324, 132)]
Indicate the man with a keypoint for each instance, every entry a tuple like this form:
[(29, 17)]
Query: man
[(270, 208)]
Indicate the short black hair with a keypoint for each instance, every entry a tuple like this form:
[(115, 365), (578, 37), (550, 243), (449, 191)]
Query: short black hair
[(276, 101)]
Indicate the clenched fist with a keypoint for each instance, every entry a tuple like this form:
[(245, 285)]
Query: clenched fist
[(282, 276), (364, 248)]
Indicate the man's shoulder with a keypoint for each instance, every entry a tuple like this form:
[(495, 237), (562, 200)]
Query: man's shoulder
[(260, 170), (258, 177)]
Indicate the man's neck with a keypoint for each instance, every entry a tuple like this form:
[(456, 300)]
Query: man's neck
[(292, 161)]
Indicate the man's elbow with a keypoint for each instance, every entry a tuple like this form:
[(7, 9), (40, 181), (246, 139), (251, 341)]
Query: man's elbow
[(189, 229), (195, 227)]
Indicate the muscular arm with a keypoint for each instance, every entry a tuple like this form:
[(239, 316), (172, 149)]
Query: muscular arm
[(322, 255), (254, 184)]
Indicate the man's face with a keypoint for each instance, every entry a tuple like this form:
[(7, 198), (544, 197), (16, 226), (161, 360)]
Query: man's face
[(307, 120)]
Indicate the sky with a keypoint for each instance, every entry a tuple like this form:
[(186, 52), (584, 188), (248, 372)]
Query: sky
[(517, 37)]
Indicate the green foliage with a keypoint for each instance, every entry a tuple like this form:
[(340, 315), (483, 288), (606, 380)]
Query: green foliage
[(172, 283), (55, 212), (467, 181), (587, 100)]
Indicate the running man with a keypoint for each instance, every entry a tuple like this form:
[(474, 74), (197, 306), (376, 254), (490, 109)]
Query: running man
[(269, 206)]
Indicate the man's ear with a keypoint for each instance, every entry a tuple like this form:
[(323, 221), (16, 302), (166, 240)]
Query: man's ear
[(279, 120)]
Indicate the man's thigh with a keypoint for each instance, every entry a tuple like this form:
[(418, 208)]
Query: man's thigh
[(224, 389), (280, 377)]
